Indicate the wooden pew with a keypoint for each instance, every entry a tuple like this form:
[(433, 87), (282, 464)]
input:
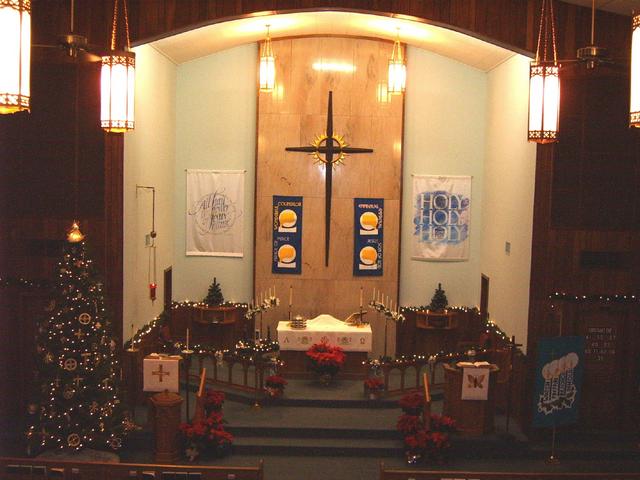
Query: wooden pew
[(32, 469), (406, 474)]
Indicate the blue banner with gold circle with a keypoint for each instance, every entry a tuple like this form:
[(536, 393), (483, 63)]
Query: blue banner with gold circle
[(287, 235), (367, 227)]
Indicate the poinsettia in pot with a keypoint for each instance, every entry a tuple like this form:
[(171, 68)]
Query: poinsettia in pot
[(274, 385), (373, 387), (206, 436), (424, 439), (326, 360)]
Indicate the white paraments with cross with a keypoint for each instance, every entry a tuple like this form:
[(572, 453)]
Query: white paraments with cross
[(161, 373)]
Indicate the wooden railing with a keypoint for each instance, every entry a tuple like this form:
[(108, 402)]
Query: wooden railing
[(405, 474), (30, 469)]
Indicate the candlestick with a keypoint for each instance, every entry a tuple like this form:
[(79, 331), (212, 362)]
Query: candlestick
[(274, 290), (361, 298), (290, 295), (374, 295), (187, 340)]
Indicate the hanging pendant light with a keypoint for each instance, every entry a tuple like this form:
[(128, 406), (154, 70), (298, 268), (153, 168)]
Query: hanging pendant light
[(634, 110), (544, 82), (267, 66), (397, 77), (15, 55), (118, 82)]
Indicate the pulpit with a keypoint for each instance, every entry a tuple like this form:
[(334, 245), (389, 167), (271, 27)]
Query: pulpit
[(473, 417), (217, 327), (166, 420)]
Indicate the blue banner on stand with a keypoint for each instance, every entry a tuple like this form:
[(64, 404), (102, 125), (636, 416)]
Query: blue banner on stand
[(287, 235), (558, 381), (367, 243)]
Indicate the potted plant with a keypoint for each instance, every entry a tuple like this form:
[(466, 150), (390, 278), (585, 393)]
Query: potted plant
[(425, 440), (326, 360), (206, 436), (373, 386), (274, 385)]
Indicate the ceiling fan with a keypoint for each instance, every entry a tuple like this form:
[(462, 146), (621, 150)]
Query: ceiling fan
[(74, 45), (593, 55)]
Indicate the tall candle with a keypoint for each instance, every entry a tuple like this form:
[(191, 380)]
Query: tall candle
[(290, 295), (374, 295), (187, 339), (274, 290), (361, 297)]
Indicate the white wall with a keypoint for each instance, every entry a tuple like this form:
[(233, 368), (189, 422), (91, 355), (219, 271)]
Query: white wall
[(215, 129), (149, 158), (444, 134), (508, 197)]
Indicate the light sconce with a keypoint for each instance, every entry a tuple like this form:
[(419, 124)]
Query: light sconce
[(544, 83), (634, 109), (15, 55), (267, 66), (118, 82), (397, 78)]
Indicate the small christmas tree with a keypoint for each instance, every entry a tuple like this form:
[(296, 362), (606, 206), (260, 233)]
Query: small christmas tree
[(79, 371), (214, 295), (439, 300)]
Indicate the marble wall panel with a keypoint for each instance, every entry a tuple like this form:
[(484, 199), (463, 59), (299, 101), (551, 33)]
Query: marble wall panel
[(293, 115)]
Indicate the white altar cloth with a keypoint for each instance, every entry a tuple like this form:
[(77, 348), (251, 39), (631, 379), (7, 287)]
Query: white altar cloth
[(329, 329)]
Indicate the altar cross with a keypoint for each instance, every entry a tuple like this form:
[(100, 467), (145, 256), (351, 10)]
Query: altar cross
[(323, 149)]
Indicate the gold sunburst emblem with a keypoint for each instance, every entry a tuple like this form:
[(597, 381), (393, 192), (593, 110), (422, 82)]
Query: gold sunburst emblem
[(321, 141)]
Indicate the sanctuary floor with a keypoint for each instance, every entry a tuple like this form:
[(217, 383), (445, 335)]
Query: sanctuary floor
[(318, 431), (315, 433)]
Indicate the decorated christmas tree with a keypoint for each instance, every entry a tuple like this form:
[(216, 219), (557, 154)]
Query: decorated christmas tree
[(439, 300), (79, 370), (214, 295)]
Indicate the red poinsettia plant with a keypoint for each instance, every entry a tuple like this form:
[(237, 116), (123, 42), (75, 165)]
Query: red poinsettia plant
[(424, 440), (206, 435), (213, 400), (412, 403), (206, 432), (274, 385), (373, 384), (325, 358)]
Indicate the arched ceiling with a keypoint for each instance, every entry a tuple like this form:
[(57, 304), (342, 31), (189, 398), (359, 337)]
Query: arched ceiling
[(203, 41)]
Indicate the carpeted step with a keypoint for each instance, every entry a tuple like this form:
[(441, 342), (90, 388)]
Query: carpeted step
[(296, 433), (364, 447)]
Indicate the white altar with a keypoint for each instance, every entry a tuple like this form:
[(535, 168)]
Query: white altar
[(325, 328)]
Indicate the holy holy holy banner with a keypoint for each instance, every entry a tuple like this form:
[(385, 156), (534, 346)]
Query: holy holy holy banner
[(441, 218), (215, 207)]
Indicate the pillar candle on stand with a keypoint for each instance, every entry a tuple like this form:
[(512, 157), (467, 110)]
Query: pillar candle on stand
[(361, 298), (374, 295), (290, 295), (187, 339)]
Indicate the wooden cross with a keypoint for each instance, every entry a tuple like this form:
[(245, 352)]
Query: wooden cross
[(77, 379), (323, 150), (79, 334), (160, 373)]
